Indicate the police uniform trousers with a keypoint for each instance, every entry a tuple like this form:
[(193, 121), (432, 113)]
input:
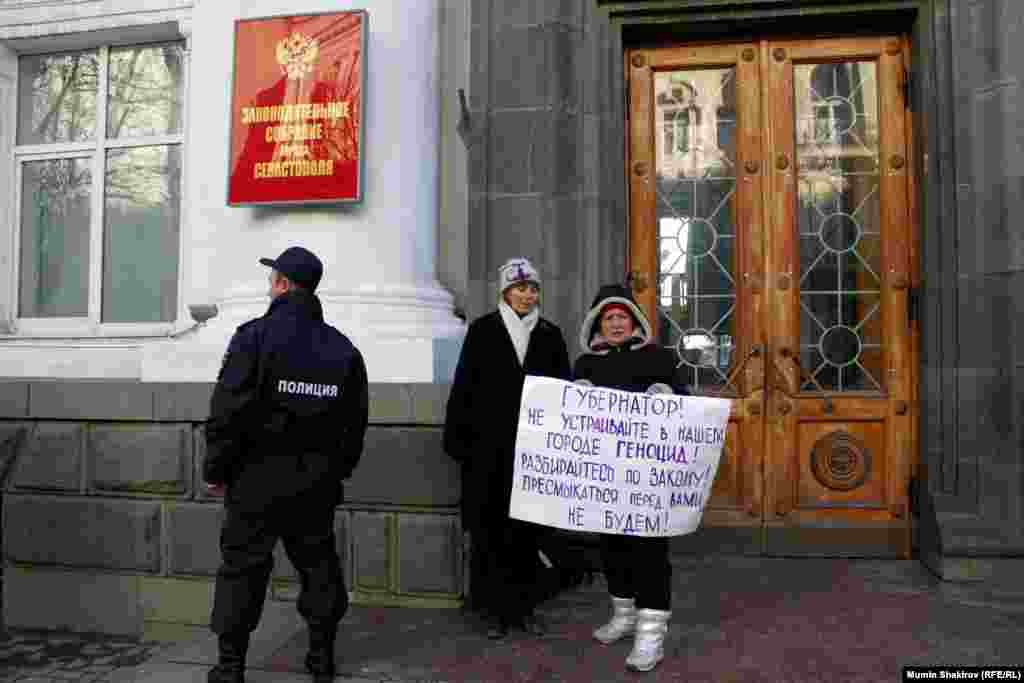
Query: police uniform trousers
[(638, 567), (305, 525)]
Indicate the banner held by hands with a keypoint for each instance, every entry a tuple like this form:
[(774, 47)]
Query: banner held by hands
[(603, 460)]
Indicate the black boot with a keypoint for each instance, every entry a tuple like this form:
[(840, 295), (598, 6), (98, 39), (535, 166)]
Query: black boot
[(320, 659), (497, 627), (230, 660), (534, 625)]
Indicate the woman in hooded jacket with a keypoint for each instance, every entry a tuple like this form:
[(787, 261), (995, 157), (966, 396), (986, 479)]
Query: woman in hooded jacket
[(500, 349), (619, 353)]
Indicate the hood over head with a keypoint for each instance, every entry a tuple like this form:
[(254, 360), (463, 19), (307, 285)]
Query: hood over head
[(590, 334)]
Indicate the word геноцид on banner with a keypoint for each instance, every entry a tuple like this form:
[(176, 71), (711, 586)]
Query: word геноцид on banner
[(615, 462)]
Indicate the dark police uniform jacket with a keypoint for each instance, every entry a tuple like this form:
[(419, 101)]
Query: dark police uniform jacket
[(288, 415)]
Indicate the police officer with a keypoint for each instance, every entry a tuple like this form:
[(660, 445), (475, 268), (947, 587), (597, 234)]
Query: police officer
[(287, 422)]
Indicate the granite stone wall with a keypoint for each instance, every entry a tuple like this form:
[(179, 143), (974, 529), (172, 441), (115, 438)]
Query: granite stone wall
[(103, 504), (975, 438), (546, 152)]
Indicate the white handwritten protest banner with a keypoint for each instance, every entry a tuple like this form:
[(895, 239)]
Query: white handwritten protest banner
[(616, 462)]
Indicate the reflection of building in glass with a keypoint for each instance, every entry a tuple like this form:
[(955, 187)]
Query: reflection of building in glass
[(836, 106), (695, 120)]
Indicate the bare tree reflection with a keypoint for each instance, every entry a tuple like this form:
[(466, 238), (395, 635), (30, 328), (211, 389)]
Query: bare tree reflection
[(143, 206), (58, 98), (146, 90), (142, 191), (55, 237)]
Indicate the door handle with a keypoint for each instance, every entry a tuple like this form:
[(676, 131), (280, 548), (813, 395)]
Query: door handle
[(827, 406)]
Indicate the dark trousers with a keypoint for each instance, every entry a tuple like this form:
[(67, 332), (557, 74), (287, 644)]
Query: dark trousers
[(505, 568), (638, 567), (247, 540)]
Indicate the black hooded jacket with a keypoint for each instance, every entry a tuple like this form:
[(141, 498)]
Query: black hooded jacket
[(290, 409), (633, 366)]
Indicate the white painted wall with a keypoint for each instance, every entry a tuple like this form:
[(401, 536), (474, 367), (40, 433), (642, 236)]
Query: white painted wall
[(380, 284), (46, 19), (453, 227), (8, 97)]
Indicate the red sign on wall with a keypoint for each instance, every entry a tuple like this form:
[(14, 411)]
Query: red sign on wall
[(296, 109)]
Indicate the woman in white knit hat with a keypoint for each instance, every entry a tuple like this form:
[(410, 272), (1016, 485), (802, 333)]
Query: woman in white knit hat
[(499, 350)]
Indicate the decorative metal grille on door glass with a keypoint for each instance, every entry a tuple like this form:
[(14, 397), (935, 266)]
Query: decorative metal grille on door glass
[(839, 218), (695, 149)]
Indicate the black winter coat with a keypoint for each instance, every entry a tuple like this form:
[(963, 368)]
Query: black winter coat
[(632, 370), (483, 408), (289, 413)]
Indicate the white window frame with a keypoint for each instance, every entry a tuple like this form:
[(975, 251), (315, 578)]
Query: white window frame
[(91, 325)]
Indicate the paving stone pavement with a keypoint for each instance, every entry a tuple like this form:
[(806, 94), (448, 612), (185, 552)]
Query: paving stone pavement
[(735, 619), (38, 656)]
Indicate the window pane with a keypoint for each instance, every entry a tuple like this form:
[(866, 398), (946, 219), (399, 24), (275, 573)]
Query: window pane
[(839, 217), (696, 219), (140, 235), (57, 98), (55, 212), (146, 90)]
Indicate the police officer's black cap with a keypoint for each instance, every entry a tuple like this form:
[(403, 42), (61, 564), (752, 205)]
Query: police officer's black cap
[(299, 265)]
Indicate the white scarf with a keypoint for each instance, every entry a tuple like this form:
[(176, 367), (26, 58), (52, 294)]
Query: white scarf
[(519, 329)]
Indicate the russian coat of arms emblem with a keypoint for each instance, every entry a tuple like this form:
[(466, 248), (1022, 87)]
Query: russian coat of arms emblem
[(296, 55)]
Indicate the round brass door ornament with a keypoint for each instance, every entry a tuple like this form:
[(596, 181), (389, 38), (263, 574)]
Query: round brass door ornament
[(638, 61), (749, 54), (752, 166), (779, 54), (897, 161), (640, 168), (782, 162), (840, 461)]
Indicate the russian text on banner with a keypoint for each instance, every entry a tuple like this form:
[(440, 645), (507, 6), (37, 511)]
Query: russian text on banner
[(616, 462)]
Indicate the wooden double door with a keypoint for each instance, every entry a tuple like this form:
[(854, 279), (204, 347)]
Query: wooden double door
[(772, 236)]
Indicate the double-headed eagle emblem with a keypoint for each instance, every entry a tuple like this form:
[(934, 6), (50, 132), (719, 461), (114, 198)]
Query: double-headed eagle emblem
[(296, 55)]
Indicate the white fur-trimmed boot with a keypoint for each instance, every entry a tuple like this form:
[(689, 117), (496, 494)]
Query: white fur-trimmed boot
[(623, 621), (649, 644)]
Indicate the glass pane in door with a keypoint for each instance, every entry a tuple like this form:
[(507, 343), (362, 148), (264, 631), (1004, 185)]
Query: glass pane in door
[(839, 218), (695, 152)]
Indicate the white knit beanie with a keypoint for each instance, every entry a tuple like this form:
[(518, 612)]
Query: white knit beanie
[(514, 271)]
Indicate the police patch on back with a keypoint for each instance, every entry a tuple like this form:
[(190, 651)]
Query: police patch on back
[(307, 389)]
